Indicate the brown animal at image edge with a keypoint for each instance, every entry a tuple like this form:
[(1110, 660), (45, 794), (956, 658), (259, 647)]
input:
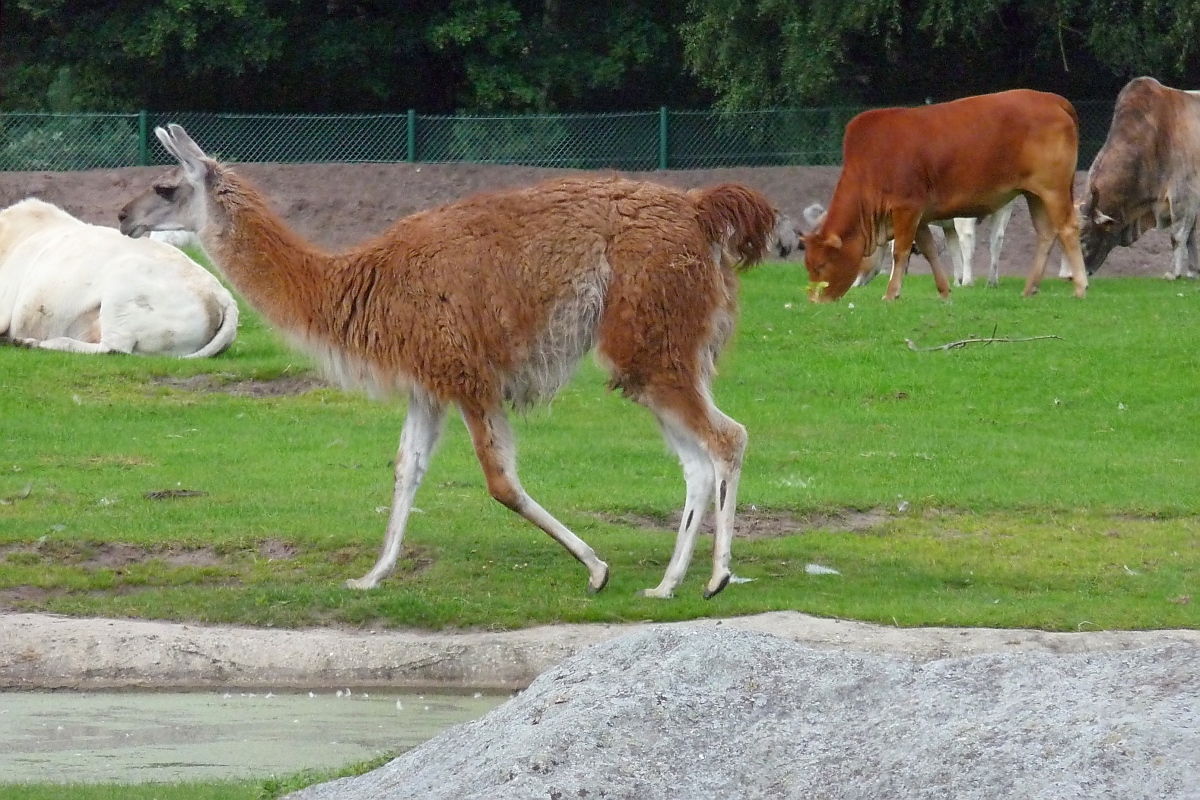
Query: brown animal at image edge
[(494, 300)]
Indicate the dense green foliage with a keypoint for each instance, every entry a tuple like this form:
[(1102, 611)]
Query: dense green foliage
[(546, 55), (342, 55), (1038, 484), (768, 52)]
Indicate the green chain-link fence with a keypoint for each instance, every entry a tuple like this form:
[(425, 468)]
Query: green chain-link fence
[(635, 141)]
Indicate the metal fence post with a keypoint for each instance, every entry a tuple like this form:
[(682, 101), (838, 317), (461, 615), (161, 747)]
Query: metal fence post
[(662, 137), (143, 142), (412, 135)]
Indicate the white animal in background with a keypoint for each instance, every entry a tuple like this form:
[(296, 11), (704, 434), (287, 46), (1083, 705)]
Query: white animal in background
[(180, 239), (68, 285)]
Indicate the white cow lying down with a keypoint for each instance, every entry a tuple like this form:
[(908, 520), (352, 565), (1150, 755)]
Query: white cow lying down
[(68, 285)]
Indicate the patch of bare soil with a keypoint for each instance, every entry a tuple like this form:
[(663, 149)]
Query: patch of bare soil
[(283, 386), (338, 205), (94, 556), (277, 550), (755, 524)]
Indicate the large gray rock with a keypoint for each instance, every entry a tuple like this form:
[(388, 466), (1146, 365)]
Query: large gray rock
[(704, 712)]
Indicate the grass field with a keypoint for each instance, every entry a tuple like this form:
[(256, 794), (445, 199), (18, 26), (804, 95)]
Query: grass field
[(1049, 483), (266, 789)]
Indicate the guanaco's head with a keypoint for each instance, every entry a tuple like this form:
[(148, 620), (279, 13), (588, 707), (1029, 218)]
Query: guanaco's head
[(178, 199)]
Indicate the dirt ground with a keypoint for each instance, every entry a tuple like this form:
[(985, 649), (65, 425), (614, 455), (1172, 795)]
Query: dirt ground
[(337, 205)]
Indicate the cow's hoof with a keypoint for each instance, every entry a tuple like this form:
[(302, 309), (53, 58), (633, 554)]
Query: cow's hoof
[(1170, 276), (361, 583), (658, 593)]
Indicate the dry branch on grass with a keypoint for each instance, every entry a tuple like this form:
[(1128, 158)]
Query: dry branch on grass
[(987, 340)]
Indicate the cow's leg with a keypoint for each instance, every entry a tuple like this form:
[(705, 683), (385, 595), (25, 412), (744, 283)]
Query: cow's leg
[(1055, 219), (68, 345), (999, 225), (1181, 235), (928, 248), (960, 241), (904, 230), (1064, 267), (1193, 250), (872, 265)]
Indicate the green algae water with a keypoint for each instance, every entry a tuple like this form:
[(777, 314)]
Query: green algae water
[(134, 737)]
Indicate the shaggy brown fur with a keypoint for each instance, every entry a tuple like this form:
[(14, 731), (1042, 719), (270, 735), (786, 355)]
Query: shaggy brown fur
[(494, 300)]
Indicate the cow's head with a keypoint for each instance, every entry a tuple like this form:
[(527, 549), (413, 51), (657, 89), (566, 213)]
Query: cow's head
[(1099, 233), (833, 264)]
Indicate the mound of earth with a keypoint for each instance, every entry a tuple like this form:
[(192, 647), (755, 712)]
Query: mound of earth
[(714, 712), (337, 205)]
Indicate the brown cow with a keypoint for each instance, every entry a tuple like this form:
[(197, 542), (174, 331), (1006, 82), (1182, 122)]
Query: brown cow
[(1146, 176), (906, 167)]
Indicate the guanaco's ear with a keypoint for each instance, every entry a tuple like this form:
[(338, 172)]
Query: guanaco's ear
[(176, 141), (833, 241)]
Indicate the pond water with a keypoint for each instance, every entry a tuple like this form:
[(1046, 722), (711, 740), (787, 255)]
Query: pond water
[(132, 737)]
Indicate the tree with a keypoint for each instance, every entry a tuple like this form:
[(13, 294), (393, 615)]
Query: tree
[(342, 55), (778, 53)]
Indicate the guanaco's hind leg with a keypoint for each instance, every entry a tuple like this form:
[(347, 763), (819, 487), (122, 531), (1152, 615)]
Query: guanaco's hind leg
[(497, 452), (420, 433), (710, 447)]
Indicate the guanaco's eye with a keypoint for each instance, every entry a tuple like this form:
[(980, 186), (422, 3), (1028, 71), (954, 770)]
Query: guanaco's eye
[(165, 192)]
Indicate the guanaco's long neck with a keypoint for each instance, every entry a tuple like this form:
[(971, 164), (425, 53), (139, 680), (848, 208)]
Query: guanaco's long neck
[(290, 280)]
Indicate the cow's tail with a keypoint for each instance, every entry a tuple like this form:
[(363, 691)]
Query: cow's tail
[(226, 331), (737, 219)]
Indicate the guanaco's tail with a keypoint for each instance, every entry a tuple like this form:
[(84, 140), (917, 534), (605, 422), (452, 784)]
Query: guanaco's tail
[(738, 219)]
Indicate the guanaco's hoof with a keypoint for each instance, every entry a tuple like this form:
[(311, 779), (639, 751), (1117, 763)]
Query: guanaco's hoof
[(711, 593), (603, 582)]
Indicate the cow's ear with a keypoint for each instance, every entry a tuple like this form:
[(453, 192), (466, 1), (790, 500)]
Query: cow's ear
[(833, 241)]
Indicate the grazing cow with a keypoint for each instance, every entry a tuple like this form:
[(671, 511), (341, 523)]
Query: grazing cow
[(1147, 175), (68, 285), (904, 168), (960, 242)]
